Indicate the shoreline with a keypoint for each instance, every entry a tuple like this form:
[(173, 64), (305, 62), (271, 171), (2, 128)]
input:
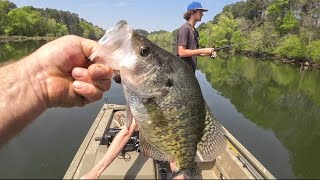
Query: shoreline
[(303, 64), (24, 38)]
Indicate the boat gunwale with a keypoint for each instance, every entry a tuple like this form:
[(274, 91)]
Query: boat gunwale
[(112, 108)]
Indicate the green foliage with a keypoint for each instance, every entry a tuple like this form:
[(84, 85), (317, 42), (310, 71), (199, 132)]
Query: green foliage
[(314, 50), (277, 7), (142, 32), (90, 31), (162, 39), (99, 32), (225, 32), (289, 23), (266, 24), (87, 30), (25, 22), (262, 39), (291, 46), (55, 29), (5, 7), (30, 21), (71, 20), (206, 36)]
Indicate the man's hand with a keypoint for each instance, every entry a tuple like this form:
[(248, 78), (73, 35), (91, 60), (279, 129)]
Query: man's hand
[(57, 75), (207, 52), (67, 78), (213, 53), (173, 167)]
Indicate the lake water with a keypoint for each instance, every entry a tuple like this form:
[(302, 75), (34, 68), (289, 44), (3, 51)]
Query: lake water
[(272, 109)]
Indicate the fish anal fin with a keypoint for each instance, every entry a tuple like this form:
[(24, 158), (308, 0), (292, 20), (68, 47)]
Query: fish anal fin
[(213, 142), (151, 151)]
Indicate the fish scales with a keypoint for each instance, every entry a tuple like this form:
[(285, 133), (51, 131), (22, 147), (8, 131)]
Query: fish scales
[(163, 96)]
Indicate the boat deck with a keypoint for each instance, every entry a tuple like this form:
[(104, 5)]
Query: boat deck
[(235, 163)]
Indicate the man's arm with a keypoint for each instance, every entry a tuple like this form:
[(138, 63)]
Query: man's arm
[(184, 52), (21, 100), (114, 149)]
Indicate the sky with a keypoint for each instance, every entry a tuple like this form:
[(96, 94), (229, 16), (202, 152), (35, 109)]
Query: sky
[(149, 15)]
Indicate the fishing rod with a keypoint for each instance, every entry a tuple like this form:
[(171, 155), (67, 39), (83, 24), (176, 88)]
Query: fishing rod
[(224, 47), (228, 46)]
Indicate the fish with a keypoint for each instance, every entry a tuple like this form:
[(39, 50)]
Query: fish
[(165, 98)]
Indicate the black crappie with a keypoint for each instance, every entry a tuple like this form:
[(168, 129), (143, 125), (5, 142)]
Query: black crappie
[(165, 99)]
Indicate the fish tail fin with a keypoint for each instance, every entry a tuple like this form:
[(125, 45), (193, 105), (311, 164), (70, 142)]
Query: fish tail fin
[(191, 173), (213, 141)]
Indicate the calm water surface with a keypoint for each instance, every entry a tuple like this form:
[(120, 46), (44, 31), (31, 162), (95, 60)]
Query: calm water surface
[(273, 110)]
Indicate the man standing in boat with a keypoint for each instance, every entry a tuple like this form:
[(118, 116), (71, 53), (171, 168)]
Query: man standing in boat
[(187, 40)]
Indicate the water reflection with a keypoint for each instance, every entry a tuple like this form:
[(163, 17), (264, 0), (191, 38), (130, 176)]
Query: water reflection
[(277, 98), (273, 109), (16, 50)]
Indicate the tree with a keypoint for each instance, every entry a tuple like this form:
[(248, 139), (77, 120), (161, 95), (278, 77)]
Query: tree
[(55, 29), (71, 20), (263, 39), (162, 39), (291, 46), (87, 29), (142, 32), (314, 50), (5, 7), (225, 32), (26, 22), (99, 32), (289, 23)]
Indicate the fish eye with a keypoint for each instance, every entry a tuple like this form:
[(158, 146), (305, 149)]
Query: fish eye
[(144, 50)]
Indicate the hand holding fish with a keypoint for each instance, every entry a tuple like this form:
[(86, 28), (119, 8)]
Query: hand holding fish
[(56, 75), (69, 78)]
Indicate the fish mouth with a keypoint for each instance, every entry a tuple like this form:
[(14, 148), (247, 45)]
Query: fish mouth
[(115, 48), (120, 32)]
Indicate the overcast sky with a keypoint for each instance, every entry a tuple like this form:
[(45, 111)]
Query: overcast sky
[(149, 15)]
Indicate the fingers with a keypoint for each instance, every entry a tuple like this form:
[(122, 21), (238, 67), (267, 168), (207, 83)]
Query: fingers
[(99, 71), (88, 46), (92, 82), (97, 75), (173, 165), (213, 54), (90, 92)]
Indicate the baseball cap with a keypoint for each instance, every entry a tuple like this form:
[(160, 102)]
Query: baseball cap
[(196, 5)]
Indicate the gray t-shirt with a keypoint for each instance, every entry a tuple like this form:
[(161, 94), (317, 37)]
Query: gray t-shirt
[(189, 37)]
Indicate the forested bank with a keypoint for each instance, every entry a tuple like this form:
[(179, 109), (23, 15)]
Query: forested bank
[(285, 29), (288, 30), (36, 22)]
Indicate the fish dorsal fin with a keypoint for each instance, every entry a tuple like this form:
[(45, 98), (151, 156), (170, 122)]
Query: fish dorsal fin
[(149, 150), (213, 141)]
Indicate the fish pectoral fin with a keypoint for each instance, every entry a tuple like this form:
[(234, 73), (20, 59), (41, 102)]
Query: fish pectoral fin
[(154, 93), (149, 150), (138, 90), (213, 142)]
